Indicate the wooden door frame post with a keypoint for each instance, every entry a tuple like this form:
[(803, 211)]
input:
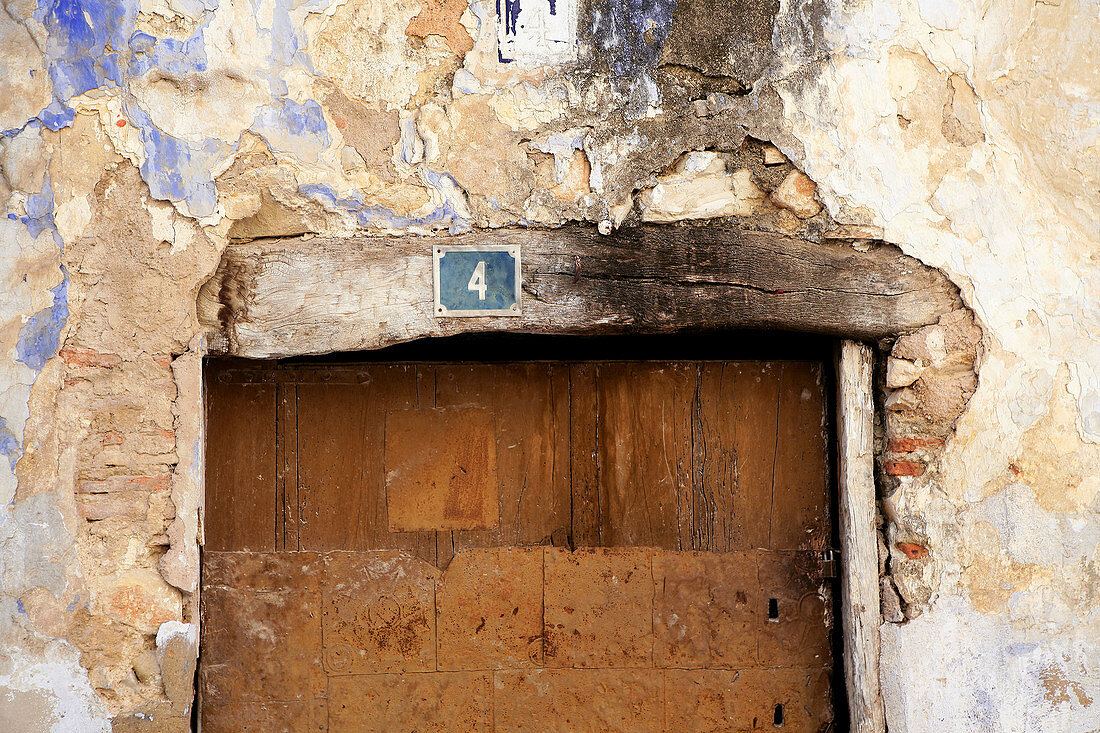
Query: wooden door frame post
[(859, 579)]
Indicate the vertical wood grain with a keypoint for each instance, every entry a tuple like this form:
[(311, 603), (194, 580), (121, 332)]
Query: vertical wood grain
[(860, 611), (240, 466), (584, 448), (531, 402), (800, 484), (735, 454), (341, 429), (645, 453), (287, 467)]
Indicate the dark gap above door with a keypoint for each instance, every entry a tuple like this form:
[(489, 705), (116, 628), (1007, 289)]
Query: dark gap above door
[(496, 347)]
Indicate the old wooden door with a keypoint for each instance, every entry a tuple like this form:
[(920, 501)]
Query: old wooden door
[(538, 546)]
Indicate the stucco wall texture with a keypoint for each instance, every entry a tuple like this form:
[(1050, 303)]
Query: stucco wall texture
[(140, 136)]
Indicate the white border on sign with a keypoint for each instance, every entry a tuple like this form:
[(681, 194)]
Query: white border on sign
[(439, 251)]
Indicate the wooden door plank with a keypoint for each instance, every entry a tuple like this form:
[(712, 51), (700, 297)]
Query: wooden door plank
[(645, 452), (439, 546), (240, 466), (531, 401), (286, 428), (340, 460), (799, 519), (735, 442), (584, 459)]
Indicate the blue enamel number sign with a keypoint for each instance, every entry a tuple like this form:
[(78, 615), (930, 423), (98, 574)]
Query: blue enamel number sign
[(476, 281)]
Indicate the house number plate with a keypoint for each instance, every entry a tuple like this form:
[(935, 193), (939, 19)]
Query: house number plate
[(476, 281)]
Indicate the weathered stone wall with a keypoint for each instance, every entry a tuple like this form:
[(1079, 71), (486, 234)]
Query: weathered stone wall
[(139, 137)]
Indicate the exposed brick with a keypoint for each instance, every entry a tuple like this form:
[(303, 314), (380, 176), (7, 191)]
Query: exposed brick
[(904, 468), (598, 608), (128, 504), (489, 609), (79, 357), (159, 719), (163, 360), (378, 613), (910, 444), (112, 437), (568, 700), (158, 482), (432, 701)]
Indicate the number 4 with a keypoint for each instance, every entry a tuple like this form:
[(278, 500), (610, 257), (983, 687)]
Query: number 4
[(477, 280)]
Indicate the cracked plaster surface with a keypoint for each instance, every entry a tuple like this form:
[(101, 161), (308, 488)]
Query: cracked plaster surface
[(139, 136)]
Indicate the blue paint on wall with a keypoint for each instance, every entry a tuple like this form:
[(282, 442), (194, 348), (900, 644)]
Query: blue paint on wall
[(41, 335), (371, 215), (175, 169), (82, 47), (9, 444), (168, 55), (289, 127)]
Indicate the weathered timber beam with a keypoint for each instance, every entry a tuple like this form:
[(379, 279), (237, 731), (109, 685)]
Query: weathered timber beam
[(859, 581), (286, 297)]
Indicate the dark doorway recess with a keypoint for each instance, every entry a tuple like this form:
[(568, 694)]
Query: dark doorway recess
[(527, 532)]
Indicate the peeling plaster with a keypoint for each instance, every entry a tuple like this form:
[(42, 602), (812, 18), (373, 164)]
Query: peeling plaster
[(139, 137)]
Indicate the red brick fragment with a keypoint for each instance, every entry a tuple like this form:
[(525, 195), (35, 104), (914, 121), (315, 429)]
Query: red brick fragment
[(904, 468), (908, 445), (912, 550), (76, 356), (159, 482)]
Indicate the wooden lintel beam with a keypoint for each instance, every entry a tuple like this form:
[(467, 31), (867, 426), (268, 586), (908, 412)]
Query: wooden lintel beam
[(296, 296)]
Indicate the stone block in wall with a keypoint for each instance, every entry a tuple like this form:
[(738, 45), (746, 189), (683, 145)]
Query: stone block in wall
[(177, 654), (598, 605), (706, 609), (804, 694), (567, 700), (140, 598), (489, 609), (458, 702), (378, 613)]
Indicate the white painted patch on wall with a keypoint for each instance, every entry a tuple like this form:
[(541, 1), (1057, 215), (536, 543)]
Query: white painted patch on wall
[(51, 694), (536, 32)]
